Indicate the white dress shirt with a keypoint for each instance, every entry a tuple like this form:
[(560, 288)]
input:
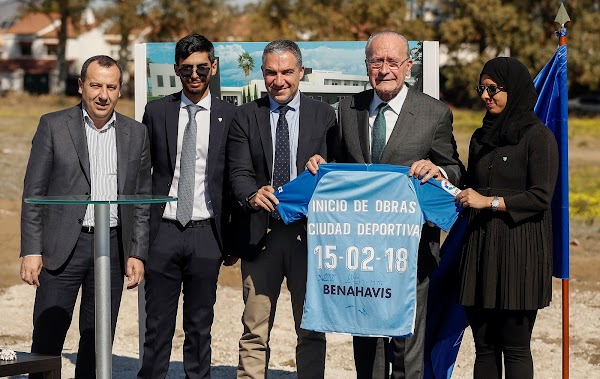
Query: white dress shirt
[(102, 152), (202, 204)]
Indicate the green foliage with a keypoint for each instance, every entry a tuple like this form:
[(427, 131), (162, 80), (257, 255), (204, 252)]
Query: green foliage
[(335, 19), (523, 29), (173, 19)]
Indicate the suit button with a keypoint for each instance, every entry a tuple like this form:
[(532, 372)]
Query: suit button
[(162, 206), (169, 185), (80, 221)]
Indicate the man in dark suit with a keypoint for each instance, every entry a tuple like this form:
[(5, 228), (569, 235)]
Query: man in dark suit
[(92, 150), (393, 124), (269, 142), (188, 131)]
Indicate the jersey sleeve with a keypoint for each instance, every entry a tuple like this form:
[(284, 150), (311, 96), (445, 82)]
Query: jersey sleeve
[(294, 197), (437, 202)]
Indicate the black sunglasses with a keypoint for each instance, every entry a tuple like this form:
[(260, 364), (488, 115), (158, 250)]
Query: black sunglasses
[(491, 89), (186, 71)]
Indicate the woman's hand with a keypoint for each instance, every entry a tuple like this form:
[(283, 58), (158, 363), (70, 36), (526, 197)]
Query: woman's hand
[(472, 198)]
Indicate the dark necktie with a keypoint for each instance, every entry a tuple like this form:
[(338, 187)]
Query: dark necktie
[(187, 168), (378, 133), (281, 166)]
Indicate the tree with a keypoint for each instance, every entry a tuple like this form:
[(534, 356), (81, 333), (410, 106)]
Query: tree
[(173, 19), (246, 63), (70, 12), (524, 29), (126, 16)]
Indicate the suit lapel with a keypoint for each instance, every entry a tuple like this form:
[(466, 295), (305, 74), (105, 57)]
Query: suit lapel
[(264, 130), (77, 132), (361, 105), (171, 126), (305, 127), (215, 137), (402, 129), (122, 136)]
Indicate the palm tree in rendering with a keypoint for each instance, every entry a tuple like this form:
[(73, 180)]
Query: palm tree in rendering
[(246, 63)]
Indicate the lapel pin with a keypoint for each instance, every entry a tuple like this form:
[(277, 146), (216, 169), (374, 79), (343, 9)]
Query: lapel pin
[(504, 159), (220, 119)]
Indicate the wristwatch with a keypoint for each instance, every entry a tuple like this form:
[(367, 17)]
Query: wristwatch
[(250, 197), (495, 203)]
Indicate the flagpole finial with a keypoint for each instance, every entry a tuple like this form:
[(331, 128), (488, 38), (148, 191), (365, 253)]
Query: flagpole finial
[(562, 17)]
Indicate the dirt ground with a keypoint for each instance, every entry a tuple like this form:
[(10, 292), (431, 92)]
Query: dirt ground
[(16, 305)]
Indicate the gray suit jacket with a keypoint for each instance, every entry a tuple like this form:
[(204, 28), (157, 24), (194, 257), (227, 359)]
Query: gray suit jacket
[(59, 166), (423, 131)]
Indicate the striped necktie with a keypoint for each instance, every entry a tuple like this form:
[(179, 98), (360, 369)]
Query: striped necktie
[(187, 168)]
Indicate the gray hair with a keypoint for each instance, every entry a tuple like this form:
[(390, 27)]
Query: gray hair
[(280, 46), (385, 32)]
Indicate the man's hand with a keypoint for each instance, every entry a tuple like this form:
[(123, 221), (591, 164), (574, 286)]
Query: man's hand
[(313, 163), (264, 199), (134, 272), (425, 170), (31, 266)]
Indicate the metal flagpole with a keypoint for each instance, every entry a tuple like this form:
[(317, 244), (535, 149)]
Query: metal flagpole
[(562, 17)]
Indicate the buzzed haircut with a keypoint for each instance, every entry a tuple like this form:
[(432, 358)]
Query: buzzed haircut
[(103, 61)]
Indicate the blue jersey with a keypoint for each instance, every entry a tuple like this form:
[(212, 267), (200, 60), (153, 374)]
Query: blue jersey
[(364, 227)]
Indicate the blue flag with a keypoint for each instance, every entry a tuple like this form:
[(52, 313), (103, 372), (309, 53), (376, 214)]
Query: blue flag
[(551, 107), (446, 319)]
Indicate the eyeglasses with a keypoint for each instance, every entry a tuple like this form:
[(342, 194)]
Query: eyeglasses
[(491, 89), (186, 71), (392, 65)]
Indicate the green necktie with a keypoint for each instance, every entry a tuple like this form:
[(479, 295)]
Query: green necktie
[(378, 133)]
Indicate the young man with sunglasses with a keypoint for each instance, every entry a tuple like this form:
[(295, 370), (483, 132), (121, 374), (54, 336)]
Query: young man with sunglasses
[(393, 124), (187, 130)]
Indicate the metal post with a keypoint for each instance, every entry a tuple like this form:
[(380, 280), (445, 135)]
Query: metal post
[(102, 291), (141, 320)]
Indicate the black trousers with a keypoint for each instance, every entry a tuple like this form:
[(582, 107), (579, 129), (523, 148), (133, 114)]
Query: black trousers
[(502, 333), (187, 258), (55, 302), (373, 356)]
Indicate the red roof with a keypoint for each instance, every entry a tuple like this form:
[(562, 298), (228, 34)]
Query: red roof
[(33, 23), (31, 66)]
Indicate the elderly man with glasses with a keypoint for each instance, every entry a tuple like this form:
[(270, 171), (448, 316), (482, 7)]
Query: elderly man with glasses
[(393, 124)]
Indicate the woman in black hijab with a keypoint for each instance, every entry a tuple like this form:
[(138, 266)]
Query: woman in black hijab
[(506, 262)]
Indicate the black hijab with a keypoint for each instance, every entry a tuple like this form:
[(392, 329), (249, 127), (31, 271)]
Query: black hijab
[(510, 125)]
